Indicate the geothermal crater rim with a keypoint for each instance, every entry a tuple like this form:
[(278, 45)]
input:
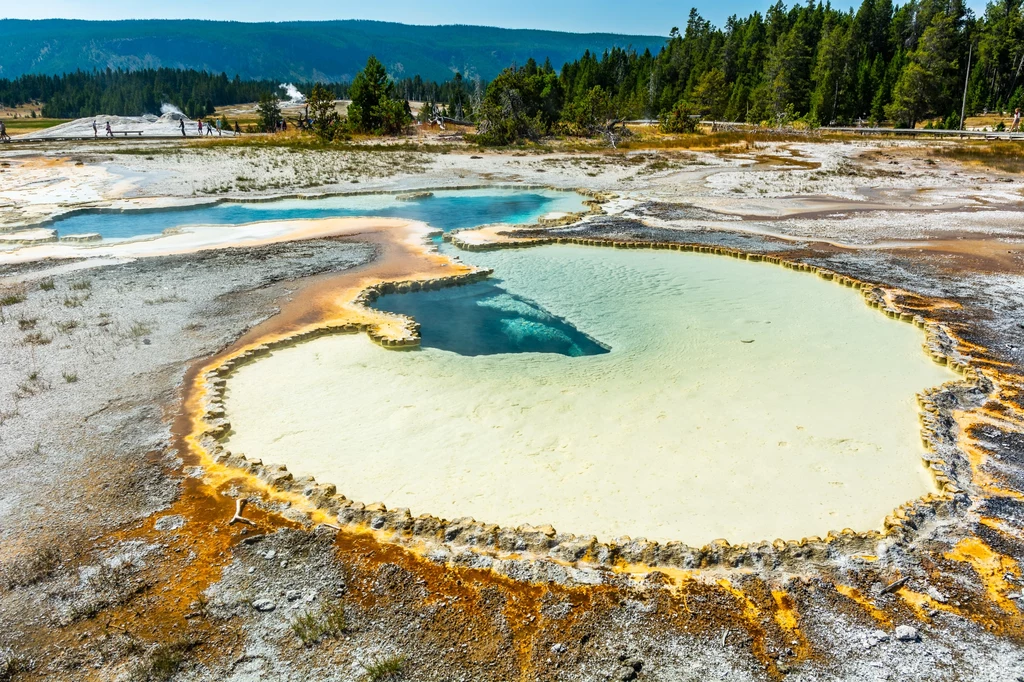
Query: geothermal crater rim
[(322, 500)]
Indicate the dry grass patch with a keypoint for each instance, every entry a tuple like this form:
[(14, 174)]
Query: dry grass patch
[(1004, 156)]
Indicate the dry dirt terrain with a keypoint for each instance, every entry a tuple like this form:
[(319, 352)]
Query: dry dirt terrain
[(133, 547)]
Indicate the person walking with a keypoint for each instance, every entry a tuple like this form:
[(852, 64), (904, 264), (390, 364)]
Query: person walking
[(3, 132), (181, 123), (200, 127), (220, 131), (110, 133), (209, 129), (1015, 128), (95, 129)]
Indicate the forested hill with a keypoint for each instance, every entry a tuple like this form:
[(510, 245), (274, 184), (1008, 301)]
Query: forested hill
[(301, 51)]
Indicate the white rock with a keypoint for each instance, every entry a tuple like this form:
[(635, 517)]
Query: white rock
[(173, 522), (906, 633)]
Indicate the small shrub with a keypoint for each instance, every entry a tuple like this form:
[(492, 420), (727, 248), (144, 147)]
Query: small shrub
[(383, 668), (82, 285), (47, 284), (36, 339), (73, 302), (681, 119), (26, 323), (326, 622), (67, 326), (70, 377)]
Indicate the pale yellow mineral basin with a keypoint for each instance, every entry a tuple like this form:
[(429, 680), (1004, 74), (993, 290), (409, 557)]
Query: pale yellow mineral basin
[(682, 432)]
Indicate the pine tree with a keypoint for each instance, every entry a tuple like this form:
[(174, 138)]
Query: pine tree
[(925, 85)]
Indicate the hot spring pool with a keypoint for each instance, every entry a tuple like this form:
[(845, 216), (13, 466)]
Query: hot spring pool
[(446, 210), (664, 395)]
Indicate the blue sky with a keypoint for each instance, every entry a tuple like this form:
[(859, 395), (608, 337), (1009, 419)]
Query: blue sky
[(652, 17)]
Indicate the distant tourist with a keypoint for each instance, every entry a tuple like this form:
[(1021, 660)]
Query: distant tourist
[(3, 132), (95, 129), (1015, 128), (200, 127), (219, 131), (110, 133), (209, 129), (181, 123), (238, 131)]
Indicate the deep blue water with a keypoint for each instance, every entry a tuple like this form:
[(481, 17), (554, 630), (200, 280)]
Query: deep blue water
[(445, 210), (485, 319)]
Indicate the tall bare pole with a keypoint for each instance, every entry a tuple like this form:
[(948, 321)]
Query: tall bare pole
[(963, 107)]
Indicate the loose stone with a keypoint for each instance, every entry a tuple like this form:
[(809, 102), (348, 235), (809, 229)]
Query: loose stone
[(264, 605), (906, 633)]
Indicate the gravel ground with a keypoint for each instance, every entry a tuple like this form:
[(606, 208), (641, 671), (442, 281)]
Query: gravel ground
[(117, 561)]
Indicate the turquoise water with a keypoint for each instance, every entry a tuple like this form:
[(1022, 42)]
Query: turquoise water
[(487, 319), (447, 210), (738, 400)]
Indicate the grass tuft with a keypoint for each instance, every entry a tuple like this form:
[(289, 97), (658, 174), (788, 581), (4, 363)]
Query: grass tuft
[(47, 284), (139, 329), (70, 377), (36, 339), (383, 668), (328, 621), (82, 285), (67, 326), (173, 298), (12, 296), (163, 661)]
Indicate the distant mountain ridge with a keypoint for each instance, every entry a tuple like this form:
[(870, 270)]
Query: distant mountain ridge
[(301, 50)]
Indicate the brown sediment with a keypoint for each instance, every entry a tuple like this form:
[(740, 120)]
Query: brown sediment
[(992, 568), (855, 595)]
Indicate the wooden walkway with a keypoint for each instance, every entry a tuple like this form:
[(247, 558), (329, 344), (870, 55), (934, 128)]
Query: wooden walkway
[(923, 132)]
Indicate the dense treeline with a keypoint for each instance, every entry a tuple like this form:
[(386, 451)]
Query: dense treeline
[(879, 63), (130, 93), (876, 63)]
